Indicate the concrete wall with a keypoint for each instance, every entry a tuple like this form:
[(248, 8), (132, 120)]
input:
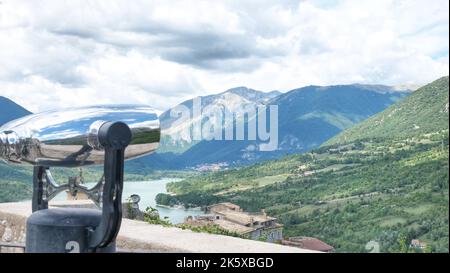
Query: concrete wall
[(140, 236)]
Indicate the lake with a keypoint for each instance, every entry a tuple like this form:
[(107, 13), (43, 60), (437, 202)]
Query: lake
[(148, 190)]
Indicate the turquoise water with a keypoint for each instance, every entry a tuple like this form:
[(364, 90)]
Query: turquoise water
[(148, 190)]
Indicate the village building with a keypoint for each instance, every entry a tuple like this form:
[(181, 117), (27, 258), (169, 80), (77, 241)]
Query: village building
[(231, 217), (308, 243)]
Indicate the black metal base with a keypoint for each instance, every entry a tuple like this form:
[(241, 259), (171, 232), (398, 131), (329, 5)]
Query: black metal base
[(62, 230)]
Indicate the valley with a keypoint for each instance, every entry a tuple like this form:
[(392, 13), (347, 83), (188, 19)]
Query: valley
[(358, 187), (378, 189)]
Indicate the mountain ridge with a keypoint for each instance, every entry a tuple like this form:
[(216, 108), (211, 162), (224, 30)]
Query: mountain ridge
[(10, 110), (176, 140), (308, 116)]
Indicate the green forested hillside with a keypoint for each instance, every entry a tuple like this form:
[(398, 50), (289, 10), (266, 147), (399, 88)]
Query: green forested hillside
[(389, 188), (425, 111), (368, 191)]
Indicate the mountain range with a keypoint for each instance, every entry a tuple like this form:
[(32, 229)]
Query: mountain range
[(307, 117)]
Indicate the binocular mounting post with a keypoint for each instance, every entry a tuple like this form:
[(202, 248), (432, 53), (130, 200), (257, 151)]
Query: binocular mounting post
[(74, 229)]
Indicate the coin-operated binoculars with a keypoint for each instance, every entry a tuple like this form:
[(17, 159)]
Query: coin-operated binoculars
[(78, 137)]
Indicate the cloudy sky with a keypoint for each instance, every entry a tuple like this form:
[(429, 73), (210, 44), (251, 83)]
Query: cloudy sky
[(65, 53)]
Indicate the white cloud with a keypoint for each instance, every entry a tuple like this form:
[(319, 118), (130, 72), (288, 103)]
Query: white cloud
[(59, 53)]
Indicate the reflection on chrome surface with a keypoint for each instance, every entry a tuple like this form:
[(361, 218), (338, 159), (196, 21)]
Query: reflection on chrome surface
[(68, 138)]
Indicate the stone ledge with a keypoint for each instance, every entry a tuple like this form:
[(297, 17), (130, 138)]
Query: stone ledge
[(143, 237)]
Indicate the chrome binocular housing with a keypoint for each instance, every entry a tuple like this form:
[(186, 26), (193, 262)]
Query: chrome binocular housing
[(69, 138)]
